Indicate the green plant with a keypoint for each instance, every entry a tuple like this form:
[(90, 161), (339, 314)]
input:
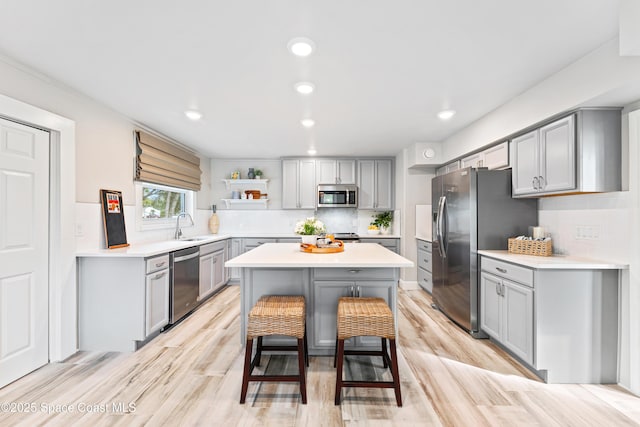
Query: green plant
[(382, 219), (258, 172), (309, 227)]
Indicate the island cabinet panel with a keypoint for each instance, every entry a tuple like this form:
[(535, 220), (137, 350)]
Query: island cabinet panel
[(325, 302), (331, 284)]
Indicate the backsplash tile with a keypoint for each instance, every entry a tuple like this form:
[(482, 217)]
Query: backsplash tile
[(590, 225)]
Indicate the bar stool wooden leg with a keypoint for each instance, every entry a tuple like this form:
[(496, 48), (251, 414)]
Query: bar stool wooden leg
[(301, 369), (383, 342), (306, 347), (247, 370), (340, 358), (335, 352), (394, 371), (259, 351)]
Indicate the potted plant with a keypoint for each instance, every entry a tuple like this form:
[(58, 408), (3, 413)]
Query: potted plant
[(310, 229), (258, 173), (383, 220)]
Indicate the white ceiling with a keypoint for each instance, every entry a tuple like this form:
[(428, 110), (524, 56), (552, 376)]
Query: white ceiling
[(382, 69)]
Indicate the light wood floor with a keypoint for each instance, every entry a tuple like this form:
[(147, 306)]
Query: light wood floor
[(191, 375)]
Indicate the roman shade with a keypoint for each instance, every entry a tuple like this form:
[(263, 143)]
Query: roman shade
[(161, 162)]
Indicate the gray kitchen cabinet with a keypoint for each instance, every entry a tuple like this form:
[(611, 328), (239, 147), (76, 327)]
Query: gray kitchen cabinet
[(331, 284), (375, 184), (392, 244), (507, 314), (424, 261), (544, 159), (236, 249), (122, 301), (580, 152), (449, 167), (561, 322), (495, 157), (254, 242), (212, 271), (298, 184), (227, 256), (331, 171), (157, 294)]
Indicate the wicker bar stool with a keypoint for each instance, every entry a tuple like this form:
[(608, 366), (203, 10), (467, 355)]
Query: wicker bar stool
[(276, 315), (366, 317)]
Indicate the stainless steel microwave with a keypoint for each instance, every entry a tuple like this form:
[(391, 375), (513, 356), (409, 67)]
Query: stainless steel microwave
[(337, 196)]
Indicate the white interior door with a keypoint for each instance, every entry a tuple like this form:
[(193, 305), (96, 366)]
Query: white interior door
[(24, 243)]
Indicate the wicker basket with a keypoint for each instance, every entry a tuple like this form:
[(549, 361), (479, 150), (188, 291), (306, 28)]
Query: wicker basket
[(531, 247)]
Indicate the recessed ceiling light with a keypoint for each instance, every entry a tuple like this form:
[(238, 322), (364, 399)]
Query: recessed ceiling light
[(446, 114), (311, 151), (307, 122), (193, 114), (304, 88), (301, 46)]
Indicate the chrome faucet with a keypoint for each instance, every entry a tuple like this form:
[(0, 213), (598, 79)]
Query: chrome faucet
[(178, 234)]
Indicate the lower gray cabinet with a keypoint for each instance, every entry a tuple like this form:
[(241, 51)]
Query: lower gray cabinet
[(562, 322), (392, 244), (212, 271), (424, 261), (507, 314), (122, 301), (157, 295)]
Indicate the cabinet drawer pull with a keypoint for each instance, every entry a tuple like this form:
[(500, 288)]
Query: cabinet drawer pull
[(354, 271), (160, 275), (160, 264), (426, 260), (501, 270)]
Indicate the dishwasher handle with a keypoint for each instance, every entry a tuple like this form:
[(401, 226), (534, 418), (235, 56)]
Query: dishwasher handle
[(186, 257)]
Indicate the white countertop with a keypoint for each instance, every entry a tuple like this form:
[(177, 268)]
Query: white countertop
[(143, 250), (287, 255), (426, 239), (557, 262)]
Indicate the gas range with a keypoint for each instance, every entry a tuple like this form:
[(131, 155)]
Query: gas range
[(347, 237)]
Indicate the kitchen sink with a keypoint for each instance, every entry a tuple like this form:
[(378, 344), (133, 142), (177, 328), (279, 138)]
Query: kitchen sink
[(194, 239)]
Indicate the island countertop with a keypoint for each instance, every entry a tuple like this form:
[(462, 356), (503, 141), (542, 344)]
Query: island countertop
[(288, 255)]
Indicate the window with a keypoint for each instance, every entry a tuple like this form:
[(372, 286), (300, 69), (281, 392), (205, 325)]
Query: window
[(157, 206)]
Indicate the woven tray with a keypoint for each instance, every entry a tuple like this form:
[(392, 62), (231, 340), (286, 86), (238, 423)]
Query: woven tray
[(531, 247), (313, 249)]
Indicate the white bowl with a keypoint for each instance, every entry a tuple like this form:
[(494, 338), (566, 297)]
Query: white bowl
[(373, 232)]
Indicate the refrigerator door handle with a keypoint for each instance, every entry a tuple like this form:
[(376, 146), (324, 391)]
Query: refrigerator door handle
[(441, 238)]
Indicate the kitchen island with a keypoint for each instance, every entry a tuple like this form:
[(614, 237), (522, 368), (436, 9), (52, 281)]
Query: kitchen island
[(362, 270)]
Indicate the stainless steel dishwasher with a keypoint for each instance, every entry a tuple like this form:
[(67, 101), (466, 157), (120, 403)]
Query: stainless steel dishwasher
[(184, 285)]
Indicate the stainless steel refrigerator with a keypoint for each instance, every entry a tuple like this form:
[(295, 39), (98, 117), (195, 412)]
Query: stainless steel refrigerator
[(472, 209)]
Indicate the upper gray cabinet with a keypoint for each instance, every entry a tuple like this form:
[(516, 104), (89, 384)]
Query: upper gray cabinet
[(575, 154), (375, 184), (298, 184), (330, 171), (449, 167), (495, 157)]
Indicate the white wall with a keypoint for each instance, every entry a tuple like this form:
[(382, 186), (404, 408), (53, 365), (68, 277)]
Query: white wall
[(103, 158), (600, 78), (593, 80), (413, 187)]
